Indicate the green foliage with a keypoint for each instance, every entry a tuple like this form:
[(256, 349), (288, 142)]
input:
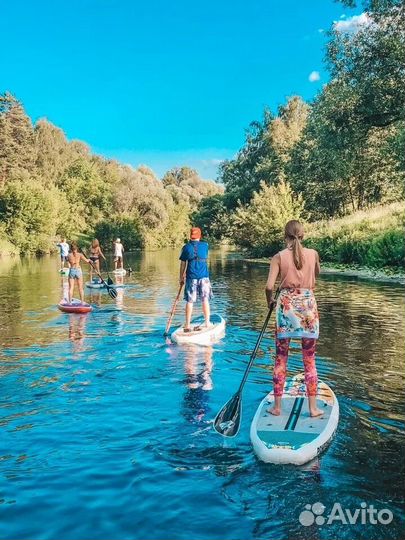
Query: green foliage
[(212, 217), (374, 239), (128, 229), (259, 226), (266, 152), (51, 186), (17, 149), (30, 214), (370, 61)]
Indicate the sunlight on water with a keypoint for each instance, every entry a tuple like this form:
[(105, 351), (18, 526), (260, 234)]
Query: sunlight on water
[(106, 427)]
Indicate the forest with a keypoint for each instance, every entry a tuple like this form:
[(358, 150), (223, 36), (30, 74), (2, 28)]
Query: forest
[(337, 163)]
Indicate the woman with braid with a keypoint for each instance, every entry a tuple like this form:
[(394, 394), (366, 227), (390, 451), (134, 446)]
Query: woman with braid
[(296, 311)]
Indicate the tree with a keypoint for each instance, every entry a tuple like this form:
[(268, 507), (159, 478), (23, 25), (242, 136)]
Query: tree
[(259, 225), (31, 214), (17, 150), (266, 152), (371, 62), (212, 217)]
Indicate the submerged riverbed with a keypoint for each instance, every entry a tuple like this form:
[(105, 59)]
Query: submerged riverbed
[(106, 429)]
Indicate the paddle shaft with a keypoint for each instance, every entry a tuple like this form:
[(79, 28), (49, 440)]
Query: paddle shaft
[(259, 339), (169, 322), (109, 287)]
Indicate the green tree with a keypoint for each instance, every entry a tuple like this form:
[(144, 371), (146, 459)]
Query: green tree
[(259, 225), (212, 217), (31, 214), (17, 150)]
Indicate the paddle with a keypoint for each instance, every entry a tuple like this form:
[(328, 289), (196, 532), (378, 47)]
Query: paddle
[(169, 322), (111, 290), (228, 419), (109, 280)]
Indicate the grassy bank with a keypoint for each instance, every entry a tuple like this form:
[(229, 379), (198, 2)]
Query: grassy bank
[(373, 239)]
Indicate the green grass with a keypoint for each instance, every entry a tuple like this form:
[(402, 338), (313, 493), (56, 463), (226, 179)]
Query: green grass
[(373, 238)]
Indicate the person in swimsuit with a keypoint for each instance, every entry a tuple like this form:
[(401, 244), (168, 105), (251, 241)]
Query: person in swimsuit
[(95, 254), (118, 254), (194, 273), (296, 311), (75, 271)]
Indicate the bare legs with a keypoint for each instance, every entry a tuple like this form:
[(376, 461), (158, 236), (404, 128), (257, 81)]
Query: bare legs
[(206, 311), (189, 312), (72, 288), (279, 373)]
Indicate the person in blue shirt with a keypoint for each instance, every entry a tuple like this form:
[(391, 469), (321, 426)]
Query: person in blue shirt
[(194, 273)]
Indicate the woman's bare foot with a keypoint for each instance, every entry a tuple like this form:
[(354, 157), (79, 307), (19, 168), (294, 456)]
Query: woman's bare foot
[(274, 410), (315, 412)]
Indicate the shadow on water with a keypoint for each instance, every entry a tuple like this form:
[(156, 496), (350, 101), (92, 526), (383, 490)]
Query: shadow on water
[(106, 429)]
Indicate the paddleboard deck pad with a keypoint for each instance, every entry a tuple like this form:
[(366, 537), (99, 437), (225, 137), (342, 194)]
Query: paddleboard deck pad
[(294, 436), (200, 334), (74, 307)]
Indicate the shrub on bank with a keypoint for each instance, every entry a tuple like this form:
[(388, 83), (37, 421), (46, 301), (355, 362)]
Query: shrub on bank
[(374, 238)]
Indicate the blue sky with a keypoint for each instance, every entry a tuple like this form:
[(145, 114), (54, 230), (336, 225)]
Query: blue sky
[(158, 82)]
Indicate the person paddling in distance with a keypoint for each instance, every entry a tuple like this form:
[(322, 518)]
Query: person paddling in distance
[(95, 254), (194, 273), (296, 311), (64, 251), (118, 254), (75, 271)]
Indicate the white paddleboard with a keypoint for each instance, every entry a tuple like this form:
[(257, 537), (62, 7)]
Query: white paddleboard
[(204, 336), (294, 436), (119, 272), (95, 284)]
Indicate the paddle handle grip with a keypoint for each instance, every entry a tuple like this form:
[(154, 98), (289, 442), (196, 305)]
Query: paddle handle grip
[(259, 339)]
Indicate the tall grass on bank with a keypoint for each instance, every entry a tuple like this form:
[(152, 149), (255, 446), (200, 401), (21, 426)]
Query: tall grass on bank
[(373, 238)]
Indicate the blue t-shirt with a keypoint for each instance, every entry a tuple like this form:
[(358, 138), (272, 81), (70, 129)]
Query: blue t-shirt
[(196, 253)]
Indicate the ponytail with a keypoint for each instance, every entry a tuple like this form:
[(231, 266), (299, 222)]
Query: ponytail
[(294, 233), (298, 253)]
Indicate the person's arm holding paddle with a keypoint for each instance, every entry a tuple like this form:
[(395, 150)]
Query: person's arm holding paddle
[(183, 269), (271, 280)]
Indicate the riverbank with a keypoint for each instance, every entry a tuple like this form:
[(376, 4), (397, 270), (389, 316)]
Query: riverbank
[(387, 275)]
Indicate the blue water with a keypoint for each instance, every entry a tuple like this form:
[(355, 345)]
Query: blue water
[(106, 428)]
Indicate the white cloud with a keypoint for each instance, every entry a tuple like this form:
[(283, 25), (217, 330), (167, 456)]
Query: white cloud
[(352, 24), (314, 76)]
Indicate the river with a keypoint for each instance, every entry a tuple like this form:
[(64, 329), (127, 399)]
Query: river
[(106, 428)]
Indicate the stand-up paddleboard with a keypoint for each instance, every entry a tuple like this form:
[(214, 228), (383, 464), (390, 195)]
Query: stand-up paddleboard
[(75, 306), (95, 284), (119, 272), (64, 271), (200, 334), (294, 436)]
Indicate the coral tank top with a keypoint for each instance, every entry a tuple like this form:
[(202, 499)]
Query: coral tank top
[(293, 278)]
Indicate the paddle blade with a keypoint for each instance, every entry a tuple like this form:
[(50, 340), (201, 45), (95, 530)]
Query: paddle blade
[(227, 421), (109, 281), (112, 292)]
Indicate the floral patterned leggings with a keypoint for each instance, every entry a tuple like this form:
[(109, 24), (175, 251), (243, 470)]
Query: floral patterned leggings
[(280, 367)]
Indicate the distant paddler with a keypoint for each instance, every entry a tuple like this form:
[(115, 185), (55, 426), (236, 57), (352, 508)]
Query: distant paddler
[(118, 254), (64, 252), (296, 311), (75, 271), (194, 273), (94, 256)]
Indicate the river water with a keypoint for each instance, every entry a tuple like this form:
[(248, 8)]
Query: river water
[(106, 429)]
